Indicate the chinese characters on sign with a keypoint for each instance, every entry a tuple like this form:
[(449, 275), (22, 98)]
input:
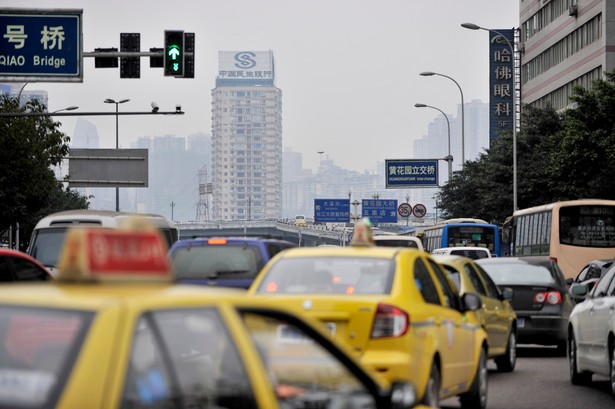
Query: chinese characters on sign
[(331, 210), (411, 173), (40, 45), (380, 210), (501, 84)]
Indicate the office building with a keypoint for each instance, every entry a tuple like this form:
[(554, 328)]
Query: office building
[(564, 43), (246, 138)]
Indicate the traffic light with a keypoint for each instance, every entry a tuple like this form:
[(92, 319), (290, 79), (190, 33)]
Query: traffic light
[(130, 67), (105, 62), (173, 53)]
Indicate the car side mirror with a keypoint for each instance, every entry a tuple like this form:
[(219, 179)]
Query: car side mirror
[(471, 302), (578, 291), (507, 293)]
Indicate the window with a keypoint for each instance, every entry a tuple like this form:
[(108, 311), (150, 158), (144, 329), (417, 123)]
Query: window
[(473, 276), (425, 283), (449, 295), (185, 352), (323, 381)]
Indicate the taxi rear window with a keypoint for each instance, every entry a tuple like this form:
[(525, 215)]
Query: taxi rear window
[(38, 348), (329, 275), (217, 261)]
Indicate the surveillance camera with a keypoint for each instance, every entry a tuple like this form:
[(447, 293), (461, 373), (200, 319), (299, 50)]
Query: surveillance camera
[(178, 108), (155, 107)]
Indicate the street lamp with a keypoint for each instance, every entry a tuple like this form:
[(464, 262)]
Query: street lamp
[(71, 108), (117, 143), (512, 53), (463, 156), (449, 157)]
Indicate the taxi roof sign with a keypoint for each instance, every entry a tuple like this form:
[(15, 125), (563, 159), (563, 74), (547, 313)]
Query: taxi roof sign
[(114, 254)]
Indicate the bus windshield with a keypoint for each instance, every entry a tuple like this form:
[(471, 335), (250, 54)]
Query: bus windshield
[(587, 226), (471, 235)]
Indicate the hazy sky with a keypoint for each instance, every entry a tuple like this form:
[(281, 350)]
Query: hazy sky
[(348, 69)]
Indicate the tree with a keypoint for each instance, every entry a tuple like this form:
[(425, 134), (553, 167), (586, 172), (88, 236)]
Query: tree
[(29, 148)]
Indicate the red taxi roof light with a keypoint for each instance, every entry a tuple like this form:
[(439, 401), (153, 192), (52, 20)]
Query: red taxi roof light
[(389, 322), (136, 251)]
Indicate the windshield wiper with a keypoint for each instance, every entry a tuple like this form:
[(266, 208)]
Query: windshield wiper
[(216, 274)]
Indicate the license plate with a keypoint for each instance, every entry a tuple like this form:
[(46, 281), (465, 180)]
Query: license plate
[(520, 322)]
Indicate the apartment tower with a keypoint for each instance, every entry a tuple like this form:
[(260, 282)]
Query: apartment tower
[(246, 138)]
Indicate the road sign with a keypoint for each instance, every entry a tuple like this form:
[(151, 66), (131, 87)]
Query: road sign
[(405, 173), (404, 210), (108, 168), (380, 210), (41, 45), (419, 210), (331, 210)]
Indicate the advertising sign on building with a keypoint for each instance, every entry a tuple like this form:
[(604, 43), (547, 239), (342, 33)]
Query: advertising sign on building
[(41, 45), (245, 68), (331, 210), (501, 83), (407, 173), (379, 210)]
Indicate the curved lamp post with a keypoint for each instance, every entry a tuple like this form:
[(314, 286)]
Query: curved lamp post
[(71, 108), (463, 155), (512, 53), (117, 103), (448, 157)]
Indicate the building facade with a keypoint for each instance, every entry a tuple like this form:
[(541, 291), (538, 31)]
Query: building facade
[(246, 138), (564, 43)]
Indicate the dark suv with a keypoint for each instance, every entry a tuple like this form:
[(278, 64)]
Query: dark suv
[(223, 261)]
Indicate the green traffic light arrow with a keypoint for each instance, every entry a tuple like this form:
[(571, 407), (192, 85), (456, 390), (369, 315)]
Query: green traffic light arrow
[(174, 52)]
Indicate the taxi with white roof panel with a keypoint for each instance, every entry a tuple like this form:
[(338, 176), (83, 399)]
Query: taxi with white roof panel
[(394, 307), (113, 330)]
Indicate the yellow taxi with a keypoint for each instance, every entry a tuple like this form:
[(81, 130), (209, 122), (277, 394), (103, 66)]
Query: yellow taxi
[(497, 316), (393, 307), (113, 331)]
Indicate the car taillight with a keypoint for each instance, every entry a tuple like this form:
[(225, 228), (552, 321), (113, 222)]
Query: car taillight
[(389, 321), (551, 297)]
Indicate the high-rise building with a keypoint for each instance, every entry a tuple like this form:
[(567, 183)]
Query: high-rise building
[(564, 43), (246, 138)]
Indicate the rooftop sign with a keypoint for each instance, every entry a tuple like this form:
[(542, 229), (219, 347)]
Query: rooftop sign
[(41, 45)]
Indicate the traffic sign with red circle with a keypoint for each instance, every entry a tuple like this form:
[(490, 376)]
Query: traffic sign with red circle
[(404, 210), (419, 210)]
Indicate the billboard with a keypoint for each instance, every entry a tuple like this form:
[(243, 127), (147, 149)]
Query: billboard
[(501, 83), (245, 68), (407, 173), (41, 45), (108, 168)]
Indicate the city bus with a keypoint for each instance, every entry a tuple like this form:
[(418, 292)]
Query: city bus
[(49, 233), (463, 232), (572, 233)]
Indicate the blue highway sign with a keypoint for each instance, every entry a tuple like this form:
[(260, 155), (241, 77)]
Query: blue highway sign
[(405, 173), (331, 210), (379, 210), (41, 45)]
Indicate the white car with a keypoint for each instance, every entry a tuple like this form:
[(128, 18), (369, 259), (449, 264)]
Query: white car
[(591, 331), (474, 253), (398, 241)]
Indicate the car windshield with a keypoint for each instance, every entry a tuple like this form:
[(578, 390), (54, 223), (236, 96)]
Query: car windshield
[(518, 273), (46, 245), (217, 262), (329, 275), (38, 348), (473, 254)]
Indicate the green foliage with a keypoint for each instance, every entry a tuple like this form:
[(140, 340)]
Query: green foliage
[(560, 156), (29, 148)]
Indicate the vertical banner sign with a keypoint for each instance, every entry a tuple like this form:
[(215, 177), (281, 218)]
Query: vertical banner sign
[(41, 45), (501, 83)]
